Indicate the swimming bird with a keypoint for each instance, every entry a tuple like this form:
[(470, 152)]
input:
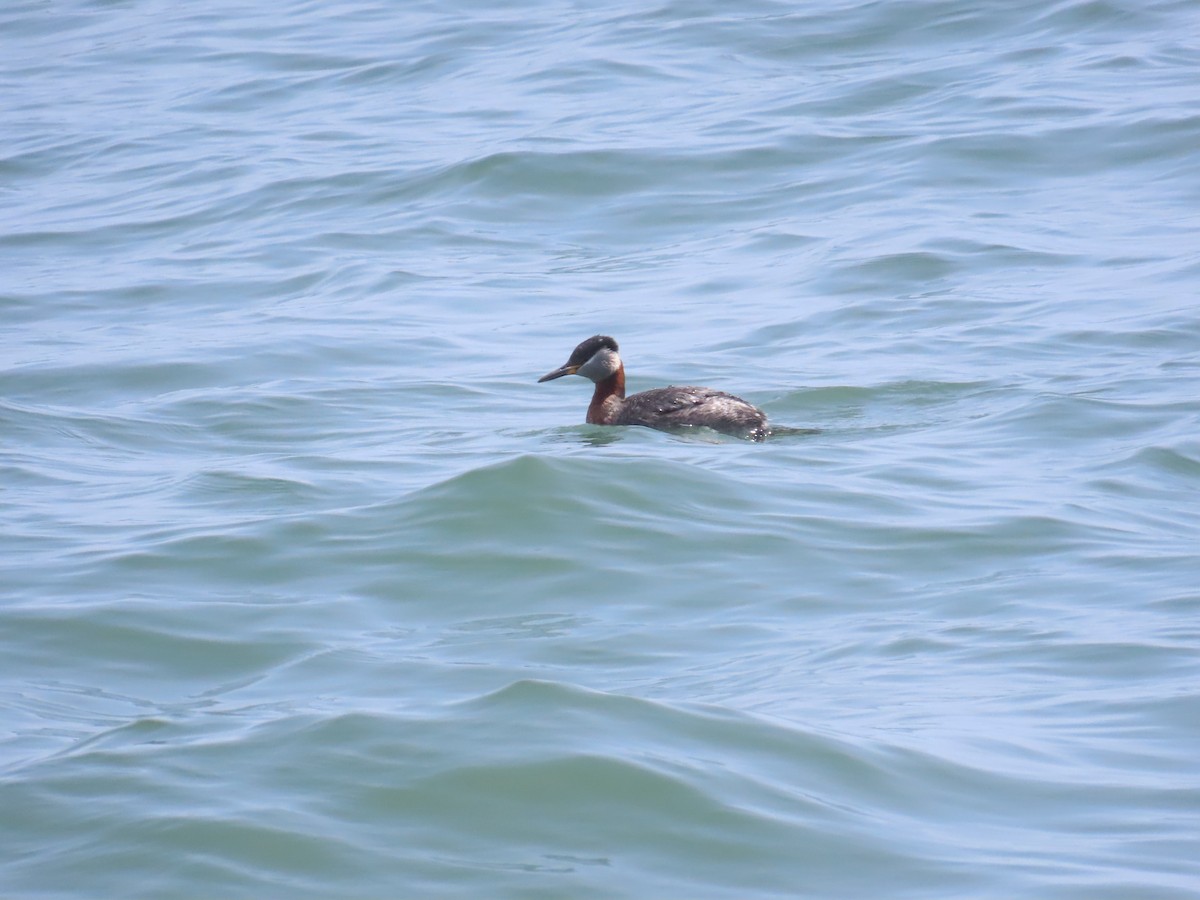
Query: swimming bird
[(666, 409)]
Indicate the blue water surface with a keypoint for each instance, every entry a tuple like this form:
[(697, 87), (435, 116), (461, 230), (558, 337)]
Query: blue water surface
[(309, 589)]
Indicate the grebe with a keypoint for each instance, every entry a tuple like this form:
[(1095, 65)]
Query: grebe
[(663, 408)]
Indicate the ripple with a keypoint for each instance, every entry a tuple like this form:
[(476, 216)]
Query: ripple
[(312, 591)]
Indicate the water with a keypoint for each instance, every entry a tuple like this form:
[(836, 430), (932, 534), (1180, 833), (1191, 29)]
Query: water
[(310, 590)]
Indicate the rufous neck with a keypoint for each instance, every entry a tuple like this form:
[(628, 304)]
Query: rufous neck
[(612, 386)]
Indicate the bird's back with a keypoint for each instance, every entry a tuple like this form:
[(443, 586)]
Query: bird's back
[(679, 406)]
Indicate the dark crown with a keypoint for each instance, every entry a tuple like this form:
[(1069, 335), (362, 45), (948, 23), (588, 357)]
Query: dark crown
[(590, 347)]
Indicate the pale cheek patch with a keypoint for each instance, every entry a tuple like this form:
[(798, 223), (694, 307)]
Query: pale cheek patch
[(600, 366)]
